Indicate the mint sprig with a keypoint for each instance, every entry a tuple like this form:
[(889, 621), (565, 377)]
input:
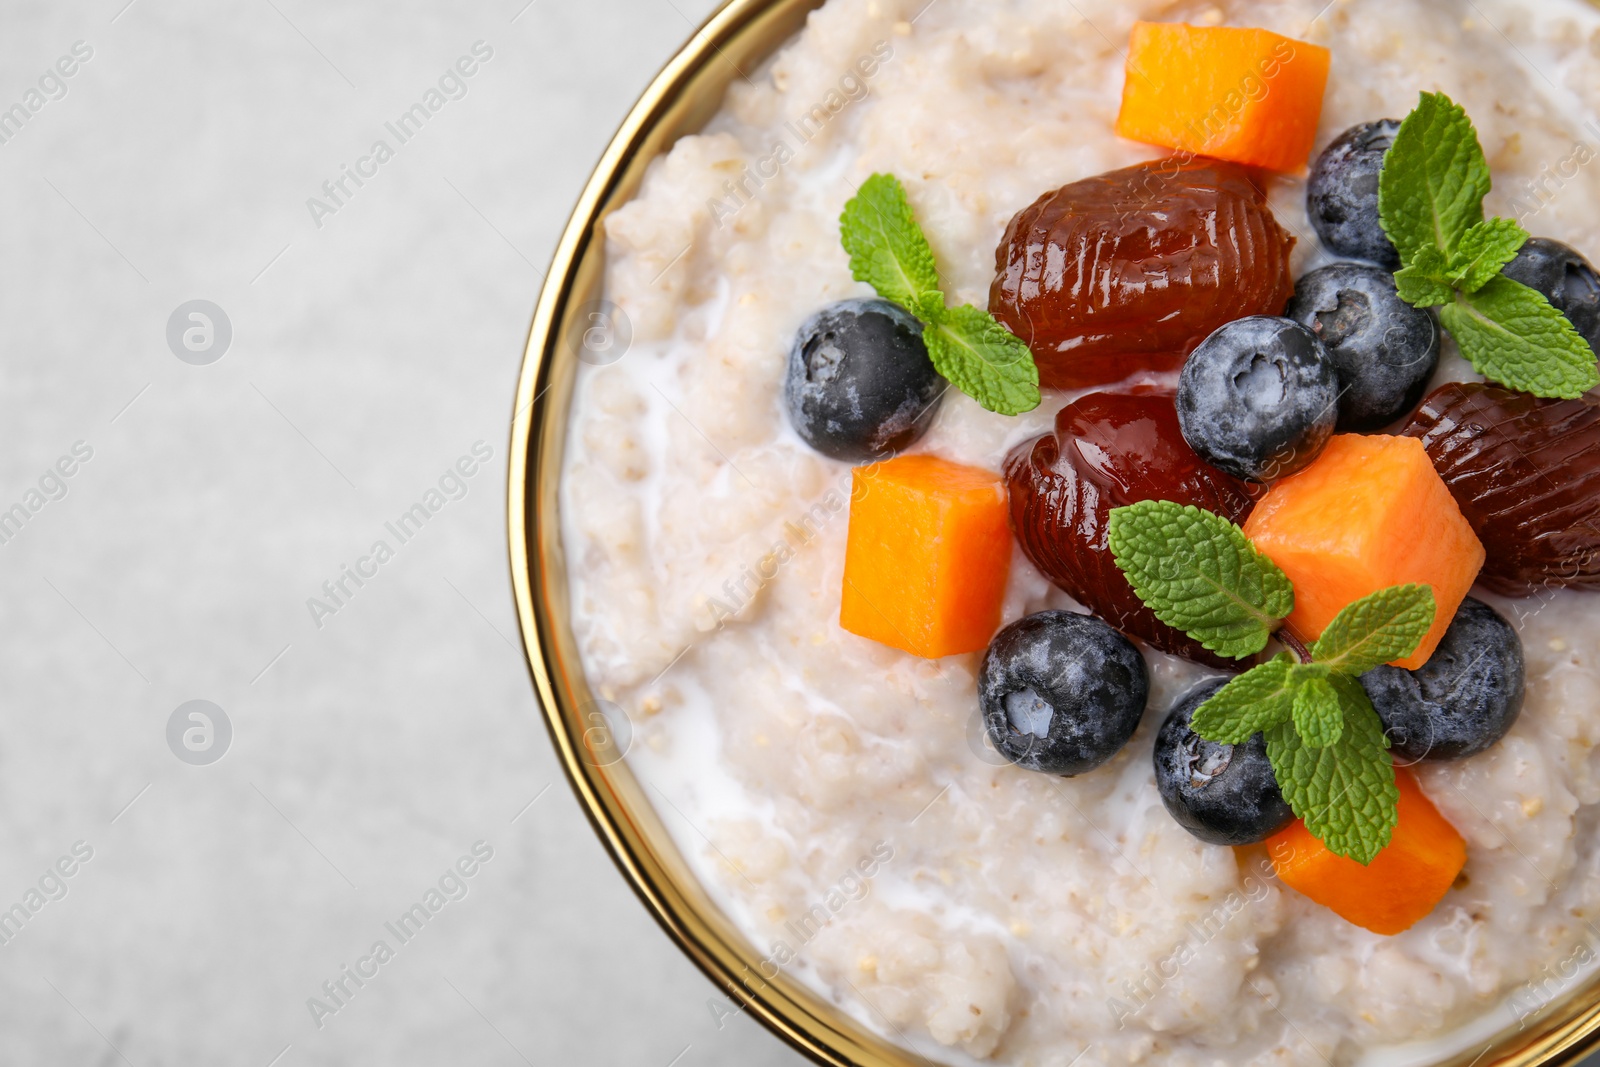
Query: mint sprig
[(1318, 714), (1199, 573), (1430, 202), (983, 359), (1254, 701), (1513, 336), (1377, 629), (1434, 179), (1343, 791), (1484, 251), (887, 248), (967, 345)]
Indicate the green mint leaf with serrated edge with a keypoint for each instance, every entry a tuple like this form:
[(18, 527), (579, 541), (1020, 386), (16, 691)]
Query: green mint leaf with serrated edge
[(1344, 791), (1434, 179), (1256, 700), (1318, 715), (1512, 335), (1199, 573), (1483, 251), (1430, 203), (967, 345), (887, 248), (983, 359), (1424, 283), (1377, 629)]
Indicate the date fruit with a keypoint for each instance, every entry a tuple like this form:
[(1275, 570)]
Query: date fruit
[(1131, 270), (1526, 472), (1107, 450)]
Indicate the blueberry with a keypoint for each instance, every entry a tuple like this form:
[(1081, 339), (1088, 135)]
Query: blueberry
[(1463, 699), (1342, 193), (1566, 279), (1383, 349), (860, 385), (1061, 692), (1222, 794), (1259, 398)]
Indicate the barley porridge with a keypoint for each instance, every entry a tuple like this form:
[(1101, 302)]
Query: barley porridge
[(836, 795)]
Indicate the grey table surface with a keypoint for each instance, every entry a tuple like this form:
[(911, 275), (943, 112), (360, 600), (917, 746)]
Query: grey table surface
[(374, 342), (181, 497)]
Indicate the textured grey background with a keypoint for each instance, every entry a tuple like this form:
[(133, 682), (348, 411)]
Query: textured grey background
[(367, 356)]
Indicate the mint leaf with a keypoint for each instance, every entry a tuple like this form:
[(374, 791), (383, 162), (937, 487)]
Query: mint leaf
[(889, 251), (1434, 179), (1200, 574), (1430, 202), (1301, 673), (1377, 629), (1324, 738), (930, 308), (887, 248), (1513, 336), (1483, 251), (1256, 700), (983, 359), (1318, 715), (1344, 791), (1424, 283)]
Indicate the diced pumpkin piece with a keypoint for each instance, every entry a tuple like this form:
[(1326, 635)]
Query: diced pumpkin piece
[(1369, 513), (927, 557), (1246, 95), (1401, 885)]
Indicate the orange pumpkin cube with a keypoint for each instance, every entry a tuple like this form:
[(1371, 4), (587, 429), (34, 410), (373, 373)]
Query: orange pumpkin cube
[(1401, 885), (927, 557), (1369, 513), (1246, 95)]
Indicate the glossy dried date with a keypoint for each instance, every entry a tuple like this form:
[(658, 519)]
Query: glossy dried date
[(1130, 270), (1107, 450), (1526, 472)]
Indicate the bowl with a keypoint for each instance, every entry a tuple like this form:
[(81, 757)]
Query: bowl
[(571, 321)]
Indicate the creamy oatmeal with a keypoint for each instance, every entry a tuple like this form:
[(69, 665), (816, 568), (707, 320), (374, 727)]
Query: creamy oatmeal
[(836, 795)]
